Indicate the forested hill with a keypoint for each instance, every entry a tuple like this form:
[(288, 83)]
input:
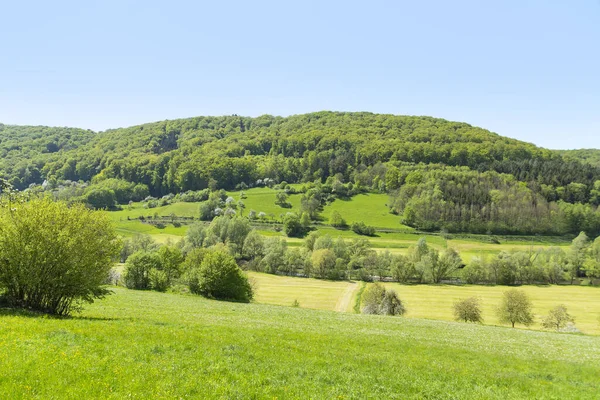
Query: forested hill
[(471, 174), (25, 150), (589, 156)]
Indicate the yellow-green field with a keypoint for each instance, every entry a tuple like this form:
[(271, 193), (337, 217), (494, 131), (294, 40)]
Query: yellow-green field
[(431, 301), (310, 293)]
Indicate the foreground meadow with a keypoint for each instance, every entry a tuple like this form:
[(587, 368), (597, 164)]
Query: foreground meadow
[(152, 345)]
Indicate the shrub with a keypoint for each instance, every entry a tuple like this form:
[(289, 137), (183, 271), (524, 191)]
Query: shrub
[(159, 280), (391, 304), (336, 220), (468, 310), (54, 257), (558, 318), (219, 277), (375, 299), (138, 269), (292, 226), (360, 228)]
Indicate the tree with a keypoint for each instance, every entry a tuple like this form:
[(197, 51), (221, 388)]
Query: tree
[(391, 304), (305, 220), (254, 246), (377, 300), (371, 298), (54, 257), (171, 259), (281, 199), (515, 308), (577, 255), (195, 236), (441, 267), (311, 239), (101, 199), (557, 318), (336, 220), (323, 264), (138, 269), (592, 264), (274, 259), (292, 226), (219, 277), (468, 310)]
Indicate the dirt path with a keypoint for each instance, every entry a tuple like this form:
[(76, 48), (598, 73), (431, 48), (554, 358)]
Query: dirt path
[(344, 301)]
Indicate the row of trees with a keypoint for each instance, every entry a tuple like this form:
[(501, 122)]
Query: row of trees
[(515, 308)]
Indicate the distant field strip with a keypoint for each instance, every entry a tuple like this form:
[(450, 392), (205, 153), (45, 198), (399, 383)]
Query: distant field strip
[(310, 293), (430, 301)]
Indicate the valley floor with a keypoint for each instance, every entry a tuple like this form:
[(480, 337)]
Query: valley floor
[(431, 301)]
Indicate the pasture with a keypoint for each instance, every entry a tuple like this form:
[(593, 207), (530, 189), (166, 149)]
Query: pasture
[(137, 344), (432, 301)]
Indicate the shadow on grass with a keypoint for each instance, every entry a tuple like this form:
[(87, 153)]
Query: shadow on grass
[(22, 312)]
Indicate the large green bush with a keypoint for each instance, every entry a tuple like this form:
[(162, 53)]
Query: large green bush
[(138, 270), (218, 276), (54, 257)]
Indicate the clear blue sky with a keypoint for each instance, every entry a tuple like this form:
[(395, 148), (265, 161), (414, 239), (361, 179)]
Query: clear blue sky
[(524, 69)]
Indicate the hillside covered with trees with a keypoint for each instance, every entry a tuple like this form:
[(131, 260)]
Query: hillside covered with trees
[(439, 174), (589, 156)]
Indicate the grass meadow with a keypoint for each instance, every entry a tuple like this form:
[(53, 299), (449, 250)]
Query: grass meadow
[(431, 301), (140, 345)]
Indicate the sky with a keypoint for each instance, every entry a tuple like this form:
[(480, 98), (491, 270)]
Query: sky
[(521, 68)]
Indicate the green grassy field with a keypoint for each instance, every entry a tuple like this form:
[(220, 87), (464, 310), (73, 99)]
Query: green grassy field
[(152, 345), (263, 199), (371, 208)]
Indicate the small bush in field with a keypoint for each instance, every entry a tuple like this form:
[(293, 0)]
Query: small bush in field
[(376, 299), (468, 310)]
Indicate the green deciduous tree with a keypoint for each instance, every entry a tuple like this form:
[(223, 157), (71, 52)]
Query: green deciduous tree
[(468, 310), (557, 318), (292, 226), (515, 308), (219, 277), (138, 269), (54, 257), (336, 220), (376, 299), (577, 255)]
